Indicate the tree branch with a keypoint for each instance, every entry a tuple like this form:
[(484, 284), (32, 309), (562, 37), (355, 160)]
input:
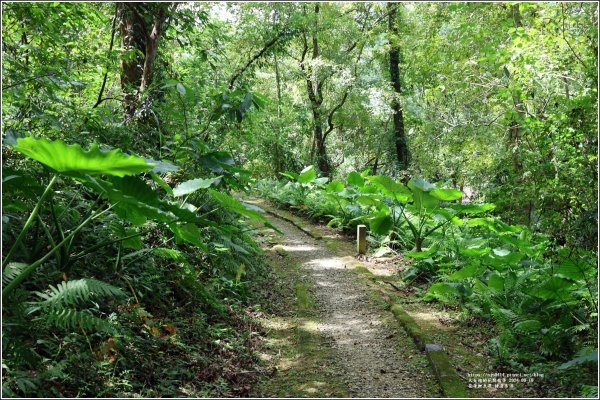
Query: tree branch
[(110, 47), (258, 55)]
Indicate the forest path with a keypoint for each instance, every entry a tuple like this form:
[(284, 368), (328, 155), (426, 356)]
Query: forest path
[(372, 356)]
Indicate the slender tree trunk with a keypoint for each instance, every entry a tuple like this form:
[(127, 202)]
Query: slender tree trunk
[(132, 40), (315, 96), (278, 163), (141, 38), (402, 153), (515, 129), (152, 47)]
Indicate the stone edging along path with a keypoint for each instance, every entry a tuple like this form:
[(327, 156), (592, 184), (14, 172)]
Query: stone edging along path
[(447, 377)]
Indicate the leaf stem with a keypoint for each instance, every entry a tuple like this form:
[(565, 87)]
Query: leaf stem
[(29, 269), (29, 221)]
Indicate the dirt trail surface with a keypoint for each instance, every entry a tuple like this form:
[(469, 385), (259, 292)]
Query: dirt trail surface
[(374, 356)]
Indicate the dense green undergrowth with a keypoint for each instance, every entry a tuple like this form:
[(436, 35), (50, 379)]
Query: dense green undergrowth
[(116, 284), (541, 296)]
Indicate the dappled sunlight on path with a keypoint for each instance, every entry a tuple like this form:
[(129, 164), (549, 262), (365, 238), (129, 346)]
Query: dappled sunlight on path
[(376, 356)]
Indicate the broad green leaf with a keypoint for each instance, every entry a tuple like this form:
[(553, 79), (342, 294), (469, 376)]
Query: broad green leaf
[(420, 184), (135, 200), (442, 212), (189, 233), (307, 175), (570, 269), (472, 208), (423, 200), (587, 354), (365, 200), (381, 224), (290, 175), (496, 282), (466, 272), (160, 181), (236, 206), (161, 167), (551, 288), (421, 254), (382, 251), (446, 194), (438, 290), (334, 186), (72, 160), (355, 179), (479, 286), (390, 188), (474, 251), (501, 252), (191, 186), (121, 231), (485, 222)]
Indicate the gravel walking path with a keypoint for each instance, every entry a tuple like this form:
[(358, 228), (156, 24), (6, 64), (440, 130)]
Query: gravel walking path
[(376, 358)]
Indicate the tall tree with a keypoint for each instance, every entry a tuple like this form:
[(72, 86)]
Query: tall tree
[(322, 70), (516, 123), (314, 87), (402, 153), (142, 25)]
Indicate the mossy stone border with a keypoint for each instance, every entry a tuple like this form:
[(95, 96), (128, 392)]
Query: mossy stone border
[(450, 382)]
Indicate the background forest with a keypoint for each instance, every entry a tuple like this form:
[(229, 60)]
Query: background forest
[(111, 256)]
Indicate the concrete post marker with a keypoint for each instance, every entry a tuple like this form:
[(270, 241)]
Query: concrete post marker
[(361, 239)]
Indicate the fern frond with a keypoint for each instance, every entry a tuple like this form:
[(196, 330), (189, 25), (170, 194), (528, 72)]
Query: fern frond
[(68, 318), (76, 292), (11, 271), (504, 316)]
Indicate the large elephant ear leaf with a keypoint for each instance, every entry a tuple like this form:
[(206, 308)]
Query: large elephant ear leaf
[(390, 188), (381, 224), (72, 160), (420, 184), (446, 194), (232, 204), (355, 179), (307, 175), (246, 210), (422, 199), (188, 187)]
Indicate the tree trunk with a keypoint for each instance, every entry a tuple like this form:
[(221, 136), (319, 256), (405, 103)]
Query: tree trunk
[(278, 163), (152, 47), (315, 96), (402, 153), (141, 39), (132, 40), (515, 130)]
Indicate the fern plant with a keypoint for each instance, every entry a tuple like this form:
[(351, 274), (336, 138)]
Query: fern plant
[(66, 305)]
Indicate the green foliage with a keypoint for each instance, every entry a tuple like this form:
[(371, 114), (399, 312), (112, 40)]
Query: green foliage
[(487, 267), (72, 160), (76, 291), (193, 185), (500, 113)]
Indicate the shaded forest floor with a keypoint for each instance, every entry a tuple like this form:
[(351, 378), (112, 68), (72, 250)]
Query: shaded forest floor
[(329, 331)]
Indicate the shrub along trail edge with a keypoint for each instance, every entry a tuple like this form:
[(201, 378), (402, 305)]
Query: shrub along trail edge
[(376, 356)]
